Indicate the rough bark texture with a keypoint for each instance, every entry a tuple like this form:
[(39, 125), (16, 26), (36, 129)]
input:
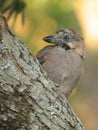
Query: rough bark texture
[(28, 99)]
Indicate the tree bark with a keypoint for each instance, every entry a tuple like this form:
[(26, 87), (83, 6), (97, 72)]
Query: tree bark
[(28, 99)]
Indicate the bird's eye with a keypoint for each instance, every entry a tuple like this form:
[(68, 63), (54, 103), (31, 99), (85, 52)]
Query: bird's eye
[(66, 37)]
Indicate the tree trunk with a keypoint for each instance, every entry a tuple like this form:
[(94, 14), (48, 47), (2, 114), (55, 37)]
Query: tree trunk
[(28, 99)]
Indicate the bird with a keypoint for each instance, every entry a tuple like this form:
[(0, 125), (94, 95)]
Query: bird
[(63, 59)]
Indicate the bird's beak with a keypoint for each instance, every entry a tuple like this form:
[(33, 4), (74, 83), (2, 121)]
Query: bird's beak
[(49, 39)]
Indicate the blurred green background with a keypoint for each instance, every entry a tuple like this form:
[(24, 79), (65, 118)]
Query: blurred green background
[(31, 20)]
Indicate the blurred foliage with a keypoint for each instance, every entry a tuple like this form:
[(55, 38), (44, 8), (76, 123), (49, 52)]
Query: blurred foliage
[(41, 17), (12, 7)]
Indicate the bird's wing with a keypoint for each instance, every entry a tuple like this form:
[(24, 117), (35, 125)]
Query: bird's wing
[(42, 55)]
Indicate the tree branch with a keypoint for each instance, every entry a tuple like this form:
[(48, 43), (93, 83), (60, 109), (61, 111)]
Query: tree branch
[(28, 99)]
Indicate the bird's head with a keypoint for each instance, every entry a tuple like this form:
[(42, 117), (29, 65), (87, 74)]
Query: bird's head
[(67, 39)]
